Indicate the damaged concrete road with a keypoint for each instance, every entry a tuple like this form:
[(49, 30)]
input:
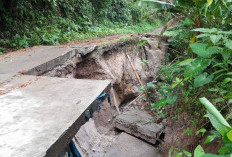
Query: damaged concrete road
[(111, 62), (39, 116), (41, 111)]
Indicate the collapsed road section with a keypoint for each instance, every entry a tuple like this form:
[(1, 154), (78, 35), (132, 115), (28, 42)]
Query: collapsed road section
[(39, 116), (47, 93)]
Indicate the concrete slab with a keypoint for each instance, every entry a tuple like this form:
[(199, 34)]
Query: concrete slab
[(138, 123), (40, 115), (128, 146), (35, 61)]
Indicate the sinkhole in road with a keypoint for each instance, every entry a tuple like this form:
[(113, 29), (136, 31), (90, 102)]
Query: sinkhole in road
[(121, 63)]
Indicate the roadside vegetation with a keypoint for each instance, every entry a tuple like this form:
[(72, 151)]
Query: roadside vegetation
[(196, 79), (25, 23)]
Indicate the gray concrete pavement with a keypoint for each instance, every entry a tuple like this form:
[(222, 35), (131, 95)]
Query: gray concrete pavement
[(40, 115), (35, 61)]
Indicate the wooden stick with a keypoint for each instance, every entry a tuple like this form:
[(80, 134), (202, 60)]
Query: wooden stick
[(135, 99), (132, 66)]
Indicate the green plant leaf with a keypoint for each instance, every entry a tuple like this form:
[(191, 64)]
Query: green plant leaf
[(228, 96), (165, 91), (144, 62), (205, 30), (225, 32), (186, 62), (171, 99), (215, 38), (216, 119), (218, 100), (171, 150), (223, 150), (202, 79), (226, 54), (209, 2), (229, 44), (179, 154), (150, 85), (199, 151), (201, 50), (230, 101), (160, 103), (142, 88), (203, 131), (177, 82), (203, 35), (212, 155), (229, 135), (226, 80), (215, 133), (188, 131), (209, 139), (229, 73), (196, 67), (188, 154), (229, 146), (222, 129)]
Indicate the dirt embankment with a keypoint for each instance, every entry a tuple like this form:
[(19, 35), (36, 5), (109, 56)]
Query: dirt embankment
[(111, 61)]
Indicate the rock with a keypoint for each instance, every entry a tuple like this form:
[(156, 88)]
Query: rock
[(90, 142), (128, 146), (138, 123)]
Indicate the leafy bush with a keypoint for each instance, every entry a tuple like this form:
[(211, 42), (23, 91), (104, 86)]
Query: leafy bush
[(27, 23), (203, 51)]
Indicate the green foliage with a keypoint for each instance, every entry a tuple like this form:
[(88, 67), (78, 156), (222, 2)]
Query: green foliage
[(196, 67), (188, 131), (202, 47), (143, 41), (212, 64), (217, 120), (205, 51), (126, 37), (217, 12), (148, 91), (202, 79), (199, 151), (168, 72), (178, 154), (27, 23), (188, 154), (182, 35), (2, 50), (144, 62), (221, 125), (202, 131)]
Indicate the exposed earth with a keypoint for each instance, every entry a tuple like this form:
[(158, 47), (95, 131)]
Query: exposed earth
[(123, 127)]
